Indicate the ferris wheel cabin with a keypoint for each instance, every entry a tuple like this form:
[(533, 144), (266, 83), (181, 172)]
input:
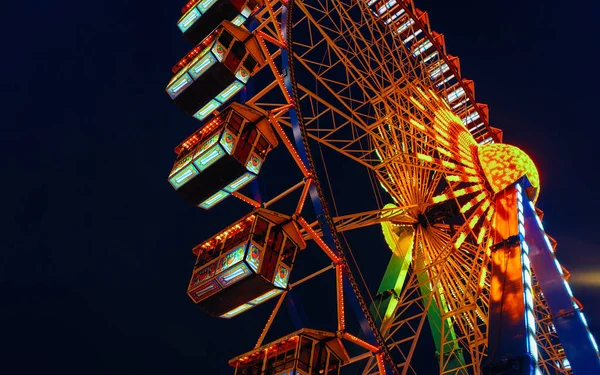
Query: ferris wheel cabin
[(201, 17), (222, 156), (215, 70), (246, 264), (304, 352)]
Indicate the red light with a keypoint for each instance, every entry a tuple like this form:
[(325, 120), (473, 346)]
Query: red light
[(189, 5), (194, 52), (199, 135)]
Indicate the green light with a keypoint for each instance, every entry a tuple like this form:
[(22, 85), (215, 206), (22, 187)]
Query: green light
[(265, 297), (238, 310), (202, 66), (188, 19), (180, 164), (216, 198), (240, 182), (185, 175), (179, 85), (207, 109), (239, 20), (209, 157), (230, 91), (204, 5)]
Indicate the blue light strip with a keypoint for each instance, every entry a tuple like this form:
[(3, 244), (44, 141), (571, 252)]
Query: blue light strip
[(568, 320), (530, 322)]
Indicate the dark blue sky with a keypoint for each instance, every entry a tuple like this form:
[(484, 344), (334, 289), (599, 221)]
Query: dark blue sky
[(95, 245)]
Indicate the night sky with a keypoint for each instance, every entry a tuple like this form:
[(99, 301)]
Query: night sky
[(95, 247)]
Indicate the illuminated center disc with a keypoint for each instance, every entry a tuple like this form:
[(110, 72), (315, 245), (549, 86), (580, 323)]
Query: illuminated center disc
[(504, 164)]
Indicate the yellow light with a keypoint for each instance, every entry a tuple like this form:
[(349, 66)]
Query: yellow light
[(440, 198), (444, 152), (472, 202), (448, 164), (467, 190), (416, 102), (474, 221), (463, 179), (504, 164), (417, 124), (487, 219), (442, 141), (425, 157), (460, 240)]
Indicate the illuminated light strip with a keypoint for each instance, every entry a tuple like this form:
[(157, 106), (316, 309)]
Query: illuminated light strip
[(184, 176), (413, 35), (189, 19), (439, 70), (440, 198), (288, 145), (459, 168), (416, 102), (463, 179), (481, 282), (380, 363), (238, 310), (216, 198), (443, 141), (434, 54), (461, 238), (466, 163), (444, 152), (467, 190), (405, 25), (448, 164), (234, 274), (473, 129), (424, 46), (417, 124), (457, 193), (387, 6), (360, 342), (318, 240), (339, 274), (273, 66), (483, 229), (444, 82), (441, 131), (473, 202), (244, 198), (526, 272), (241, 181), (425, 157), (303, 197), (422, 92), (396, 15)]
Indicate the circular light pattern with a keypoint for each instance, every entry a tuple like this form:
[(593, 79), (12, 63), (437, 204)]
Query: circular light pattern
[(504, 164)]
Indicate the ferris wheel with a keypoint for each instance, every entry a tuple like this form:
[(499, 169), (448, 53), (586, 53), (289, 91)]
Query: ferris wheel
[(367, 84)]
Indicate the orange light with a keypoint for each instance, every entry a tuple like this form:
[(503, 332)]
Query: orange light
[(360, 342)]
